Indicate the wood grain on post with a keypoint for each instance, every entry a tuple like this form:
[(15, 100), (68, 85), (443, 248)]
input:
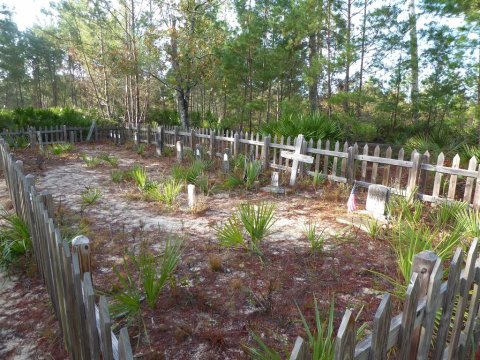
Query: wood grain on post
[(124, 347), (351, 165), (386, 172), (266, 152), (81, 249), (452, 187), (422, 183), (381, 328), (423, 265), (376, 153), (236, 144), (465, 283), (346, 336), (89, 301), (472, 166), (413, 175), (448, 302), (431, 308), (105, 325), (398, 174), (335, 159), (408, 317), (438, 176), (212, 143)]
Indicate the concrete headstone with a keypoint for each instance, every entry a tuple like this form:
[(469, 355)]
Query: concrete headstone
[(179, 147), (377, 200), (192, 196)]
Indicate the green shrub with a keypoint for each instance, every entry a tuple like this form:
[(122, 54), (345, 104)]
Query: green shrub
[(154, 271), (109, 159), (315, 238), (141, 149), (254, 220), (118, 176), (24, 117), (313, 126), (90, 196), (139, 176), (90, 161), (15, 240), (252, 173), (59, 149)]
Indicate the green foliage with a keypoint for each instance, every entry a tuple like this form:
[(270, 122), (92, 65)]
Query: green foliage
[(315, 238), (118, 176), (24, 117), (232, 181), (141, 149), (139, 176), (257, 220), (190, 173), (144, 274), (202, 183), (312, 126), (318, 179), (254, 220), (109, 159), (446, 214), (17, 142), (374, 229), (90, 196), (59, 149), (261, 351), (169, 191), (15, 241), (469, 221), (90, 161), (230, 234), (321, 340), (252, 173), (155, 270)]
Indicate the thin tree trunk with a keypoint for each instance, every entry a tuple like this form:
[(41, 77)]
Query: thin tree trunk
[(313, 88), (414, 61), (362, 59)]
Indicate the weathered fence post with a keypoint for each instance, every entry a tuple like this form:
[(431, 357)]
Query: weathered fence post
[(179, 147), (423, 264), (72, 136), (236, 145), (149, 132), (159, 140), (414, 174), (266, 152), (81, 248), (136, 135), (65, 137), (350, 165), (175, 134), (192, 139), (212, 144), (39, 140), (345, 341)]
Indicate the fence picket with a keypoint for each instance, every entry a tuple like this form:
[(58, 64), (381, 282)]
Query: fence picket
[(345, 341), (452, 187), (472, 165), (381, 328)]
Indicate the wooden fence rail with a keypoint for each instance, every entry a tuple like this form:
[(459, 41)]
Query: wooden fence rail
[(433, 180), (86, 326), (340, 162), (439, 320)]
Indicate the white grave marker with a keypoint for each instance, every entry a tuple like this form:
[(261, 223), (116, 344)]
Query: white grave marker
[(377, 200), (296, 158)]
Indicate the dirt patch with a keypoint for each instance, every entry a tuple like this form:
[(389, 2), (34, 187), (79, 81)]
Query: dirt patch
[(212, 309), (28, 327)]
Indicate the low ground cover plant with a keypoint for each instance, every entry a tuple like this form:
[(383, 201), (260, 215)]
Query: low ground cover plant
[(15, 240), (60, 149), (247, 227)]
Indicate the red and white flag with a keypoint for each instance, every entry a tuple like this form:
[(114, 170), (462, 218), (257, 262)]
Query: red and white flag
[(352, 202)]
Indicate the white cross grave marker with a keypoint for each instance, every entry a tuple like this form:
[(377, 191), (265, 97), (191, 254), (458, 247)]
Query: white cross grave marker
[(296, 157)]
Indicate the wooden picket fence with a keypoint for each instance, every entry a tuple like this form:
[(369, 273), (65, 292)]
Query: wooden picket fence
[(432, 181), (440, 320), (343, 163), (86, 326)]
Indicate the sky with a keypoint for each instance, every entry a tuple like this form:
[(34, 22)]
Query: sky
[(27, 12)]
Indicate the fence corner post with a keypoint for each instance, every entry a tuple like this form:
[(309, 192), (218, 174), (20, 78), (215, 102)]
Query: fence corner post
[(212, 144), (236, 144), (159, 140)]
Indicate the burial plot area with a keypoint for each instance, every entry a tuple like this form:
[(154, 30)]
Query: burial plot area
[(230, 284)]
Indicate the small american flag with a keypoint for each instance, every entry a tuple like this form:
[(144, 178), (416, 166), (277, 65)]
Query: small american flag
[(352, 202)]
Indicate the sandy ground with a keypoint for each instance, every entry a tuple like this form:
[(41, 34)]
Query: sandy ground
[(28, 329), (209, 315)]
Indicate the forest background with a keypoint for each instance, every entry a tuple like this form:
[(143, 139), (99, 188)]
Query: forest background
[(364, 70)]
